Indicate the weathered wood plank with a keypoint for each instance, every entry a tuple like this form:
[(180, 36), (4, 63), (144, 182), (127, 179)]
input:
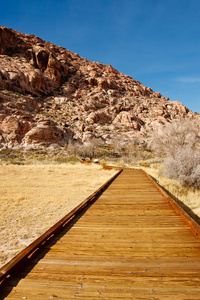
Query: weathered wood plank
[(130, 244)]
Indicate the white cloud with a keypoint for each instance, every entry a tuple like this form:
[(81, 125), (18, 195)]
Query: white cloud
[(188, 79)]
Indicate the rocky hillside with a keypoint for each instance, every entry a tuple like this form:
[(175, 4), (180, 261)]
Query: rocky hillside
[(49, 95)]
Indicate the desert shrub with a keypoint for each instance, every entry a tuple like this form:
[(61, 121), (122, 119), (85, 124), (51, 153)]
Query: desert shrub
[(177, 134), (72, 148), (184, 166), (144, 163), (92, 149), (178, 142)]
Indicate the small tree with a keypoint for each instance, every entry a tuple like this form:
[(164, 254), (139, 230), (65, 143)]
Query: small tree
[(178, 141), (172, 136), (184, 165)]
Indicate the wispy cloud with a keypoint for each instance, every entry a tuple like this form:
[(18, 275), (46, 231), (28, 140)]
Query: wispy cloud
[(188, 79)]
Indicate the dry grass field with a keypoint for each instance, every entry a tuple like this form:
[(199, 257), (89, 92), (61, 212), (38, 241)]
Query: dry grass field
[(34, 197)]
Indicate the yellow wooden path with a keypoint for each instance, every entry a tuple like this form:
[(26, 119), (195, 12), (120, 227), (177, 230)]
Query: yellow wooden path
[(130, 244)]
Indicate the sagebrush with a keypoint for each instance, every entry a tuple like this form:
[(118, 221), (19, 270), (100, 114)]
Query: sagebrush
[(178, 142), (184, 166), (175, 135)]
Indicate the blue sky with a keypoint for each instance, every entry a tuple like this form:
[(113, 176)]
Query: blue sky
[(154, 41)]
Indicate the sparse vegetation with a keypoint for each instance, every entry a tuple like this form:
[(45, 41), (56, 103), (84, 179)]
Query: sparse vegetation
[(128, 152)]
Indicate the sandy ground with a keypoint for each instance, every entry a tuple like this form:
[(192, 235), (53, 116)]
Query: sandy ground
[(35, 197)]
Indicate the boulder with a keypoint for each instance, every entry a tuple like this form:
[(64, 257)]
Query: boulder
[(13, 129), (127, 119), (157, 94), (98, 117), (103, 83), (45, 132)]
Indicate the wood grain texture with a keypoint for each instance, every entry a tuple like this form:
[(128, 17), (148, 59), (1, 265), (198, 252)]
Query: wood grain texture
[(129, 244)]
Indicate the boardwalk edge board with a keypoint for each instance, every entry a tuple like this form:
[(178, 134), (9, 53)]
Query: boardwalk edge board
[(23, 257), (179, 210)]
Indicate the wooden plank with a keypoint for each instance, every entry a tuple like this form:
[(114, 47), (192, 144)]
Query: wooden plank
[(130, 244)]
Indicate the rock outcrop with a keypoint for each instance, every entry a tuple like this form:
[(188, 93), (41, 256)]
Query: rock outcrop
[(44, 132), (50, 95)]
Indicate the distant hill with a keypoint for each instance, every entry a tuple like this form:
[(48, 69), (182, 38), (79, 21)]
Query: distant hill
[(51, 95)]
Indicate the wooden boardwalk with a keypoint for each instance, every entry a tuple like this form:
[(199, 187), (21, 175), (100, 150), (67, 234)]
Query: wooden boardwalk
[(129, 244)]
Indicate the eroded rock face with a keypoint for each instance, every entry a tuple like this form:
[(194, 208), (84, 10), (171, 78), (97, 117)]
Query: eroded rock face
[(13, 129), (44, 132), (29, 64), (50, 95), (40, 57)]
